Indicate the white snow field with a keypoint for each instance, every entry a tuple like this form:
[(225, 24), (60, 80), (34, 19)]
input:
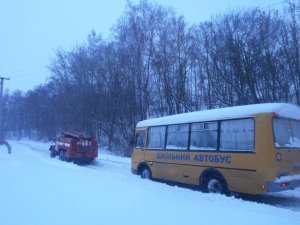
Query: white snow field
[(38, 190)]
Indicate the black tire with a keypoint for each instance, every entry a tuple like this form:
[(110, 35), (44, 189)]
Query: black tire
[(216, 185), (62, 155), (91, 160), (52, 154), (146, 173)]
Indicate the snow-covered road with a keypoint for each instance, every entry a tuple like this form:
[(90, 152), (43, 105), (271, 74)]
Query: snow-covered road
[(38, 190)]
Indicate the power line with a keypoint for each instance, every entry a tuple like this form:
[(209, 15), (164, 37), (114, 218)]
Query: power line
[(29, 70), (30, 74), (273, 5)]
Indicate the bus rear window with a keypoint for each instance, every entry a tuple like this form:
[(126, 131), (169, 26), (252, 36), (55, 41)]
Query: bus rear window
[(286, 133)]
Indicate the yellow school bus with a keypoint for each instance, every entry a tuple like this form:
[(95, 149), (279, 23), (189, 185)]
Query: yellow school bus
[(250, 149)]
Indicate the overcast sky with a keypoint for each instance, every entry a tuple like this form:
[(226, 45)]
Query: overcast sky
[(31, 30)]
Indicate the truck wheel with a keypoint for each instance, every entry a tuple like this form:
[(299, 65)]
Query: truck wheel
[(62, 156), (52, 154), (146, 173)]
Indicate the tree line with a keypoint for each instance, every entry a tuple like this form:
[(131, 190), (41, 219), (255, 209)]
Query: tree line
[(155, 64)]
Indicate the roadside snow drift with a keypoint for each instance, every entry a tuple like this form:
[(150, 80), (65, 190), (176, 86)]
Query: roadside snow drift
[(38, 190)]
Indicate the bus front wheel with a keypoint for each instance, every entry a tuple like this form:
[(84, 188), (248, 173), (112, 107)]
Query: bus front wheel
[(215, 185), (146, 173)]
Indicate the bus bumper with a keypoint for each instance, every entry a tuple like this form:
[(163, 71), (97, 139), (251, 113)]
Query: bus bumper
[(283, 184)]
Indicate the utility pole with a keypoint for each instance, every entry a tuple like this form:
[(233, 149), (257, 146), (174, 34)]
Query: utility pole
[(1, 110)]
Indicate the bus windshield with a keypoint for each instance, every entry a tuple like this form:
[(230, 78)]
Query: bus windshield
[(286, 133)]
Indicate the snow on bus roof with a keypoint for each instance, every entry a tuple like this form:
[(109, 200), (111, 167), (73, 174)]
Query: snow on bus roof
[(282, 109)]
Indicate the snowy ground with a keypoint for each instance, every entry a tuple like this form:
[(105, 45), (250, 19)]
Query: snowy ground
[(38, 190)]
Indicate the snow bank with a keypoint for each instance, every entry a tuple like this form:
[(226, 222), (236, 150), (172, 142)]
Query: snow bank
[(38, 190)]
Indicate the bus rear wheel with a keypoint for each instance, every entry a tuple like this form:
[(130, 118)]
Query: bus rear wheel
[(146, 173), (215, 185)]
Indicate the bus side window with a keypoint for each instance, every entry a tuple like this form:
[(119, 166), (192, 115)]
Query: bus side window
[(140, 140), (204, 136), (237, 135), (177, 137), (156, 137)]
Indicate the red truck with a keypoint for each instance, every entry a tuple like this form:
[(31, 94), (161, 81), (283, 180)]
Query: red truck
[(75, 147)]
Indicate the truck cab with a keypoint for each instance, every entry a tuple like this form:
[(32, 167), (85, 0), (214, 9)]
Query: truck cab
[(75, 147)]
